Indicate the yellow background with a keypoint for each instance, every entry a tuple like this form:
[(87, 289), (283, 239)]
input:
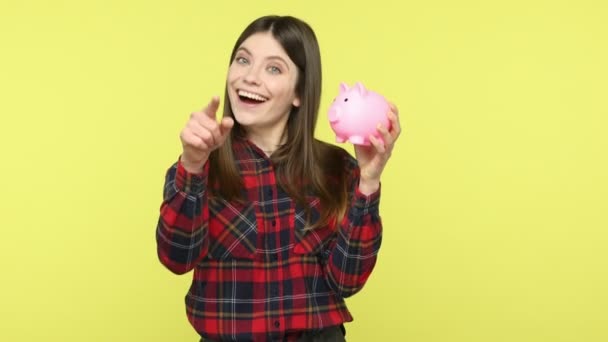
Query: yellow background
[(495, 202)]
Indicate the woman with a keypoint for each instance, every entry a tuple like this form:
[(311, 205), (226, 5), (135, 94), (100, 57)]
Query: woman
[(278, 227)]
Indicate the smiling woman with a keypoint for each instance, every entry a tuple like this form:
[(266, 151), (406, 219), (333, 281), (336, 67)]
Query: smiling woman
[(278, 227), (261, 86)]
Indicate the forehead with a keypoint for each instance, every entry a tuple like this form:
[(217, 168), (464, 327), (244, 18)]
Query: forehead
[(263, 44)]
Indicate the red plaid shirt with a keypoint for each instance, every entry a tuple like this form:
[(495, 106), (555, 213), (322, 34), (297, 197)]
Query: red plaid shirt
[(258, 275)]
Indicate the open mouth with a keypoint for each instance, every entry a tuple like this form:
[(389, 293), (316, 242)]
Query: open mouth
[(251, 98)]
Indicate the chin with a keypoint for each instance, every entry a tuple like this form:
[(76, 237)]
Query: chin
[(243, 118)]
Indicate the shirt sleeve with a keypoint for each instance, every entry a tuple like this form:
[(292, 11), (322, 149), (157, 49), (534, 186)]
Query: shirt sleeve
[(181, 233), (353, 255)]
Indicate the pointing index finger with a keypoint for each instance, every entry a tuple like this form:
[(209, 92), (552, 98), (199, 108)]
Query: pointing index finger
[(212, 107)]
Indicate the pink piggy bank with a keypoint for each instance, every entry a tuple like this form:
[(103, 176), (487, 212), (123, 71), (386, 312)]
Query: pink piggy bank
[(355, 114)]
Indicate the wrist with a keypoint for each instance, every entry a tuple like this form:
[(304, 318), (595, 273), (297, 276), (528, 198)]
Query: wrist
[(368, 186), (193, 166)]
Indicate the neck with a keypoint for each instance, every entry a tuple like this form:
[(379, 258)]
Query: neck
[(268, 140)]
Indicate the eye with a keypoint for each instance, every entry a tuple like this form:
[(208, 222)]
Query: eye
[(274, 70), (241, 60), (346, 99)]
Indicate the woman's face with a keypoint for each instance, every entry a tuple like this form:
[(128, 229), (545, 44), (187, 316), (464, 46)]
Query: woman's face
[(261, 83)]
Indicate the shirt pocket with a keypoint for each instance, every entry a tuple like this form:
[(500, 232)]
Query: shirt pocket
[(232, 230), (310, 241)]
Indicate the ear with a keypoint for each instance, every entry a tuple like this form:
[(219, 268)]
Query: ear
[(360, 89), (296, 102), (343, 87)]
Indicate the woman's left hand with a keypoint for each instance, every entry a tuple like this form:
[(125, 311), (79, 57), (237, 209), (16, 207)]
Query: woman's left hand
[(372, 159)]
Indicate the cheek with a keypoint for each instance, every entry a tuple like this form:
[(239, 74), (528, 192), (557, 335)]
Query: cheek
[(285, 90), (231, 77), (234, 73)]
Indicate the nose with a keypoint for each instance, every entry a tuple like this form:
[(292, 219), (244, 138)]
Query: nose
[(252, 75), (334, 114)]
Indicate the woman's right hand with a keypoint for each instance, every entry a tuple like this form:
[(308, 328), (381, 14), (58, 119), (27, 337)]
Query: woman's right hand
[(202, 135)]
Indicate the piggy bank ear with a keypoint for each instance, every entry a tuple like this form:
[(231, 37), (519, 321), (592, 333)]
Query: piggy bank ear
[(360, 89), (343, 87)]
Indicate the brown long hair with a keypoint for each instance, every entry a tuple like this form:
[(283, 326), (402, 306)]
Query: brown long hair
[(304, 165)]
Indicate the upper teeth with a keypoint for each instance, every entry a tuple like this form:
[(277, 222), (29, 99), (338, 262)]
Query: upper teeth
[(252, 95)]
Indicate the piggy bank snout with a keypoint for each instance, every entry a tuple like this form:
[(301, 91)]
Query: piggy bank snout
[(334, 114)]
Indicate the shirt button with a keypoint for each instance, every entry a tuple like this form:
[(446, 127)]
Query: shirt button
[(277, 324), (274, 223)]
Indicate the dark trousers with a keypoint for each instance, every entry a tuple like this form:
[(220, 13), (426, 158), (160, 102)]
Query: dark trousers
[(332, 334)]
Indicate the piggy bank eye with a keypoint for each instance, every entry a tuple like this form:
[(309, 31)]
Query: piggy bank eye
[(346, 99)]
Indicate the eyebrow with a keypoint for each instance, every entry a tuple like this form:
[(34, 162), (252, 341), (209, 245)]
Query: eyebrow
[(268, 57)]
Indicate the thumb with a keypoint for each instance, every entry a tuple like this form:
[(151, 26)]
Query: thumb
[(225, 126), (212, 107)]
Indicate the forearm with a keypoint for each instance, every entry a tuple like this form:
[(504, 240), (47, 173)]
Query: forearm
[(354, 254), (181, 233)]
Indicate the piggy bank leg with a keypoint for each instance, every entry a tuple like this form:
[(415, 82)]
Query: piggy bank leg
[(340, 139), (358, 140)]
